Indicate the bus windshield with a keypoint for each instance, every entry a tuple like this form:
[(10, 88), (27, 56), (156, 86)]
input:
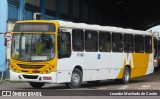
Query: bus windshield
[(33, 47)]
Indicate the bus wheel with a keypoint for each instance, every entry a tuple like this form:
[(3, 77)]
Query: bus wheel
[(126, 75), (76, 79), (36, 85)]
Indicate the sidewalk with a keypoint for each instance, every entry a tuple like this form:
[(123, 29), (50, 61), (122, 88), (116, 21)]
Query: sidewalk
[(6, 75)]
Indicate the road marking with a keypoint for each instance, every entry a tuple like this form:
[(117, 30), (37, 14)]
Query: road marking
[(101, 88), (155, 83), (123, 87), (145, 86)]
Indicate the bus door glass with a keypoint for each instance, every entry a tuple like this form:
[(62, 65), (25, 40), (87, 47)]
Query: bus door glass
[(64, 45)]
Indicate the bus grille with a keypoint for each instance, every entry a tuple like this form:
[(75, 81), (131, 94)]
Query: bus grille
[(30, 77), (30, 66)]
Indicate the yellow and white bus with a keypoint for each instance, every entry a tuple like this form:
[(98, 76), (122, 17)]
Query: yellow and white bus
[(53, 51)]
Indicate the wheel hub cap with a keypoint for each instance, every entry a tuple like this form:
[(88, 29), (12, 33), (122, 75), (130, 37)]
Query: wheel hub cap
[(126, 75), (75, 79)]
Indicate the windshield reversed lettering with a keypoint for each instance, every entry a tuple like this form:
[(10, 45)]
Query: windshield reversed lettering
[(38, 58)]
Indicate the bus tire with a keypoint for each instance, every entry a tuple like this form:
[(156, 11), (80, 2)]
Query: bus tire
[(126, 75), (76, 79), (37, 85)]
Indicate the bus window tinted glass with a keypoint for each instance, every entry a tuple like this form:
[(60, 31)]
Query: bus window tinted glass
[(156, 46), (64, 45), (78, 40), (148, 44), (104, 42), (91, 41), (128, 43), (33, 47), (117, 42), (139, 44)]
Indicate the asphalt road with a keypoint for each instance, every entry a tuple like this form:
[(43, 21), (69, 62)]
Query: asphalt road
[(146, 83)]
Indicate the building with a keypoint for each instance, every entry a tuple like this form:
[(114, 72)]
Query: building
[(13, 10)]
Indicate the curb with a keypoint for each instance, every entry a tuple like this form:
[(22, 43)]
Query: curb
[(7, 80)]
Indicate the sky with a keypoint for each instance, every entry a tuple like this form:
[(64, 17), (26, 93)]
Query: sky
[(155, 29)]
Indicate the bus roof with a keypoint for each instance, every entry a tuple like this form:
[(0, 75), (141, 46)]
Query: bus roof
[(65, 24), (84, 26)]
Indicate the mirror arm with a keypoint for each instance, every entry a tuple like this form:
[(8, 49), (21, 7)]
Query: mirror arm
[(5, 41)]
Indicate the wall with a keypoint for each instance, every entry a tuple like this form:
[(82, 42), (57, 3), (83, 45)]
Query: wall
[(33, 2), (85, 12), (51, 5), (32, 6), (3, 25), (76, 8)]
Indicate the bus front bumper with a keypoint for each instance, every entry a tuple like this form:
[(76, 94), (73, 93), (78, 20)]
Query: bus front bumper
[(47, 78)]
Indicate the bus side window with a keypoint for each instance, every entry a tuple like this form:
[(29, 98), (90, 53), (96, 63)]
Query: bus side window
[(78, 40), (128, 43), (148, 44), (91, 41), (117, 42), (156, 46), (139, 44), (64, 45), (104, 42)]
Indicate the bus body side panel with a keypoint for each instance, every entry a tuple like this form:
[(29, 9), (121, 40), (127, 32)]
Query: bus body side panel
[(92, 70), (150, 68), (141, 64), (102, 66), (91, 67), (117, 64), (65, 66)]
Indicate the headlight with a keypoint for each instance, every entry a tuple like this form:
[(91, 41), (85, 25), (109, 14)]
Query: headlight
[(14, 69), (48, 70)]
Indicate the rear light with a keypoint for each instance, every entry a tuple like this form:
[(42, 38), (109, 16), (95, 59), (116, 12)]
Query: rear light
[(155, 60), (47, 78)]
